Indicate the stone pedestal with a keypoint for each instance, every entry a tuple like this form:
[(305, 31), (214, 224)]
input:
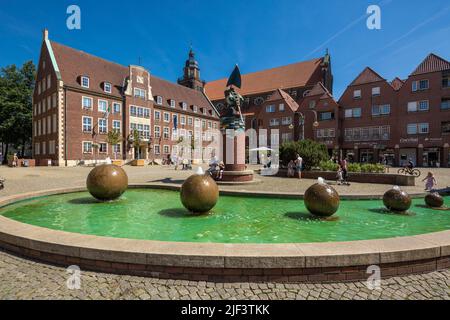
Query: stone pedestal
[(234, 157)]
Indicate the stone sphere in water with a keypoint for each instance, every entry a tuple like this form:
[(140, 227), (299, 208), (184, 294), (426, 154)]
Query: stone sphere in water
[(199, 193), (107, 182), (322, 200), (397, 200), (434, 200)]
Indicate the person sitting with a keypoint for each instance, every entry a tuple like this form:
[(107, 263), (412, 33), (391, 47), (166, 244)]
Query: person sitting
[(410, 164)]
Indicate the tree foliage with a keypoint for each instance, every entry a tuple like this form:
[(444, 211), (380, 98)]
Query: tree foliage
[(312, 153), (16, 90)]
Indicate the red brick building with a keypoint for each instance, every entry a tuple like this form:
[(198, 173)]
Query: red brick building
[(400, 120), (80, 98)]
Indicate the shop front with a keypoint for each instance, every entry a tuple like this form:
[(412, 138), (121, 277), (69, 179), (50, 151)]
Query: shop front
[(387, 157), (407, 154), (431, 157)]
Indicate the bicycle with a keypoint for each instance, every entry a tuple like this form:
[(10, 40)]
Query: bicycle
[(413, 172)]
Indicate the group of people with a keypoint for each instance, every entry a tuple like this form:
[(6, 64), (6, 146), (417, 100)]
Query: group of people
[(295, 166), (177, 161)]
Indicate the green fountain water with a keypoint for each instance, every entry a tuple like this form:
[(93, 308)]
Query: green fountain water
[(159, 215)]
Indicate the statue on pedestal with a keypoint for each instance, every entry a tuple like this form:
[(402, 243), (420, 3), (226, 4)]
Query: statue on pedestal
[(232, 117)]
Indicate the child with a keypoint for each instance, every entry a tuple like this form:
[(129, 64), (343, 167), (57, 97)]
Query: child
[(340, 176), (431, 182)]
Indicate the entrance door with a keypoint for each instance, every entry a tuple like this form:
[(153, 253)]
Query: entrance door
[(138, 153), (431, 158)]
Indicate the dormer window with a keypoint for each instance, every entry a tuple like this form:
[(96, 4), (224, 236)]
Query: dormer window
[(107, 87), (172, 103), (204, 111), (159, 100), (184, 105), (195, 108), (85, 82)]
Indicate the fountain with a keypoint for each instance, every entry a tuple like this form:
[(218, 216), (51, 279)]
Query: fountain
[(199, 193), (397, 200), (107, 182), (321, 199)]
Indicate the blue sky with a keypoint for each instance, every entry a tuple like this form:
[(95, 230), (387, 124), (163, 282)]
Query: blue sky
[(256, 34)]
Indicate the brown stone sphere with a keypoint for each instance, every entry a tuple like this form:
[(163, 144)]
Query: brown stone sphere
[(397, 200), (199, 193), (322, 200), (107, 182), (434, 200)]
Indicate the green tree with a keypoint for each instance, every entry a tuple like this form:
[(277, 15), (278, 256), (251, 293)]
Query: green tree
[(313, 153), (16, 90), (136, 142), (114, 137)]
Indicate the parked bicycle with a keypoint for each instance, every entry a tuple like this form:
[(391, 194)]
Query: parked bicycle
[(413, 172)]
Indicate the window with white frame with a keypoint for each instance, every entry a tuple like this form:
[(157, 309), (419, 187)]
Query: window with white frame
[(357, 94), (195, 108), (379, 110), (423, 128), (172, 103), (102, 126), (424, 105), (270, 108), (44, 147), (204, 124), (103, 147), (85, 82), (274, 122), (87, 147), (182, 120), (184, 105), (166, 117), (157, 149), (376, 91), (281, 107), (286, 121), (352, 113), (87, 103), (116, 125), (102, 105), (166, 149), (157, 115), (116, 107), (190, 121), (197, 123), (157, 130), (51, 147), (159, 100), (412, 106), (420, 85), (166, 133), (37, 148), (139, 93), (107, 87)]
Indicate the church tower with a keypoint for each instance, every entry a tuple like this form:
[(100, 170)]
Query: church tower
[(327, 74), (191, 77)]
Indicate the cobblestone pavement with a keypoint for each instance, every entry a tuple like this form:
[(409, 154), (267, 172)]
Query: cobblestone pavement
[(25, 279)]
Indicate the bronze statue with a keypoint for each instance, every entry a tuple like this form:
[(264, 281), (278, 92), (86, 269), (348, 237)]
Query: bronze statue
[(232, 117)]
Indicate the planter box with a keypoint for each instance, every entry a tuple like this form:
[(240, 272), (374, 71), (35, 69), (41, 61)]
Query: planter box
[(138, 163), (117, 162), (377, 178)]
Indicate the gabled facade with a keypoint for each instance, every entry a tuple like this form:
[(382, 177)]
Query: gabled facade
[(80, 98)]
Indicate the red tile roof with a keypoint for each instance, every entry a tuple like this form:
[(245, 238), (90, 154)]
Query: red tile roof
[(397, 83), (367, 76), (290, 76), (319, 89), (282, 95), (74, 63), (432, 63)]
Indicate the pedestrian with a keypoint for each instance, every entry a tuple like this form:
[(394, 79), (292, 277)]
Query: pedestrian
[(299, 165), (175, 161), (344, 167), (430, 182), (340, 176), (15, 161)]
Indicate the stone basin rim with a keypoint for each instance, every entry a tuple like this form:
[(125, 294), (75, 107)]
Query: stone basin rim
[(217, 255)]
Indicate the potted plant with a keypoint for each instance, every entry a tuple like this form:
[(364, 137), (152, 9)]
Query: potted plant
[(112, 139), (136, 142)]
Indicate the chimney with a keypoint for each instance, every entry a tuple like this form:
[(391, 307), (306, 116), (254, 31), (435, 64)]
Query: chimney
[(45, 34)]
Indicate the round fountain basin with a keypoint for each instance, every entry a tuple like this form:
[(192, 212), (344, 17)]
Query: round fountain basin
[(150, 214)]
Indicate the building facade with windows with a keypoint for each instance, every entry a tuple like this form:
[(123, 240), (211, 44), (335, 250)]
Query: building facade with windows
[(80, 99)]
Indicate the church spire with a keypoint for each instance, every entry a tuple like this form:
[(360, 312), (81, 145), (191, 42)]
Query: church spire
[(191, 74)]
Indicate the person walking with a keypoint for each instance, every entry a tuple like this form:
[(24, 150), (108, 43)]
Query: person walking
[(430, 182), (344, 167), (299, 165)]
